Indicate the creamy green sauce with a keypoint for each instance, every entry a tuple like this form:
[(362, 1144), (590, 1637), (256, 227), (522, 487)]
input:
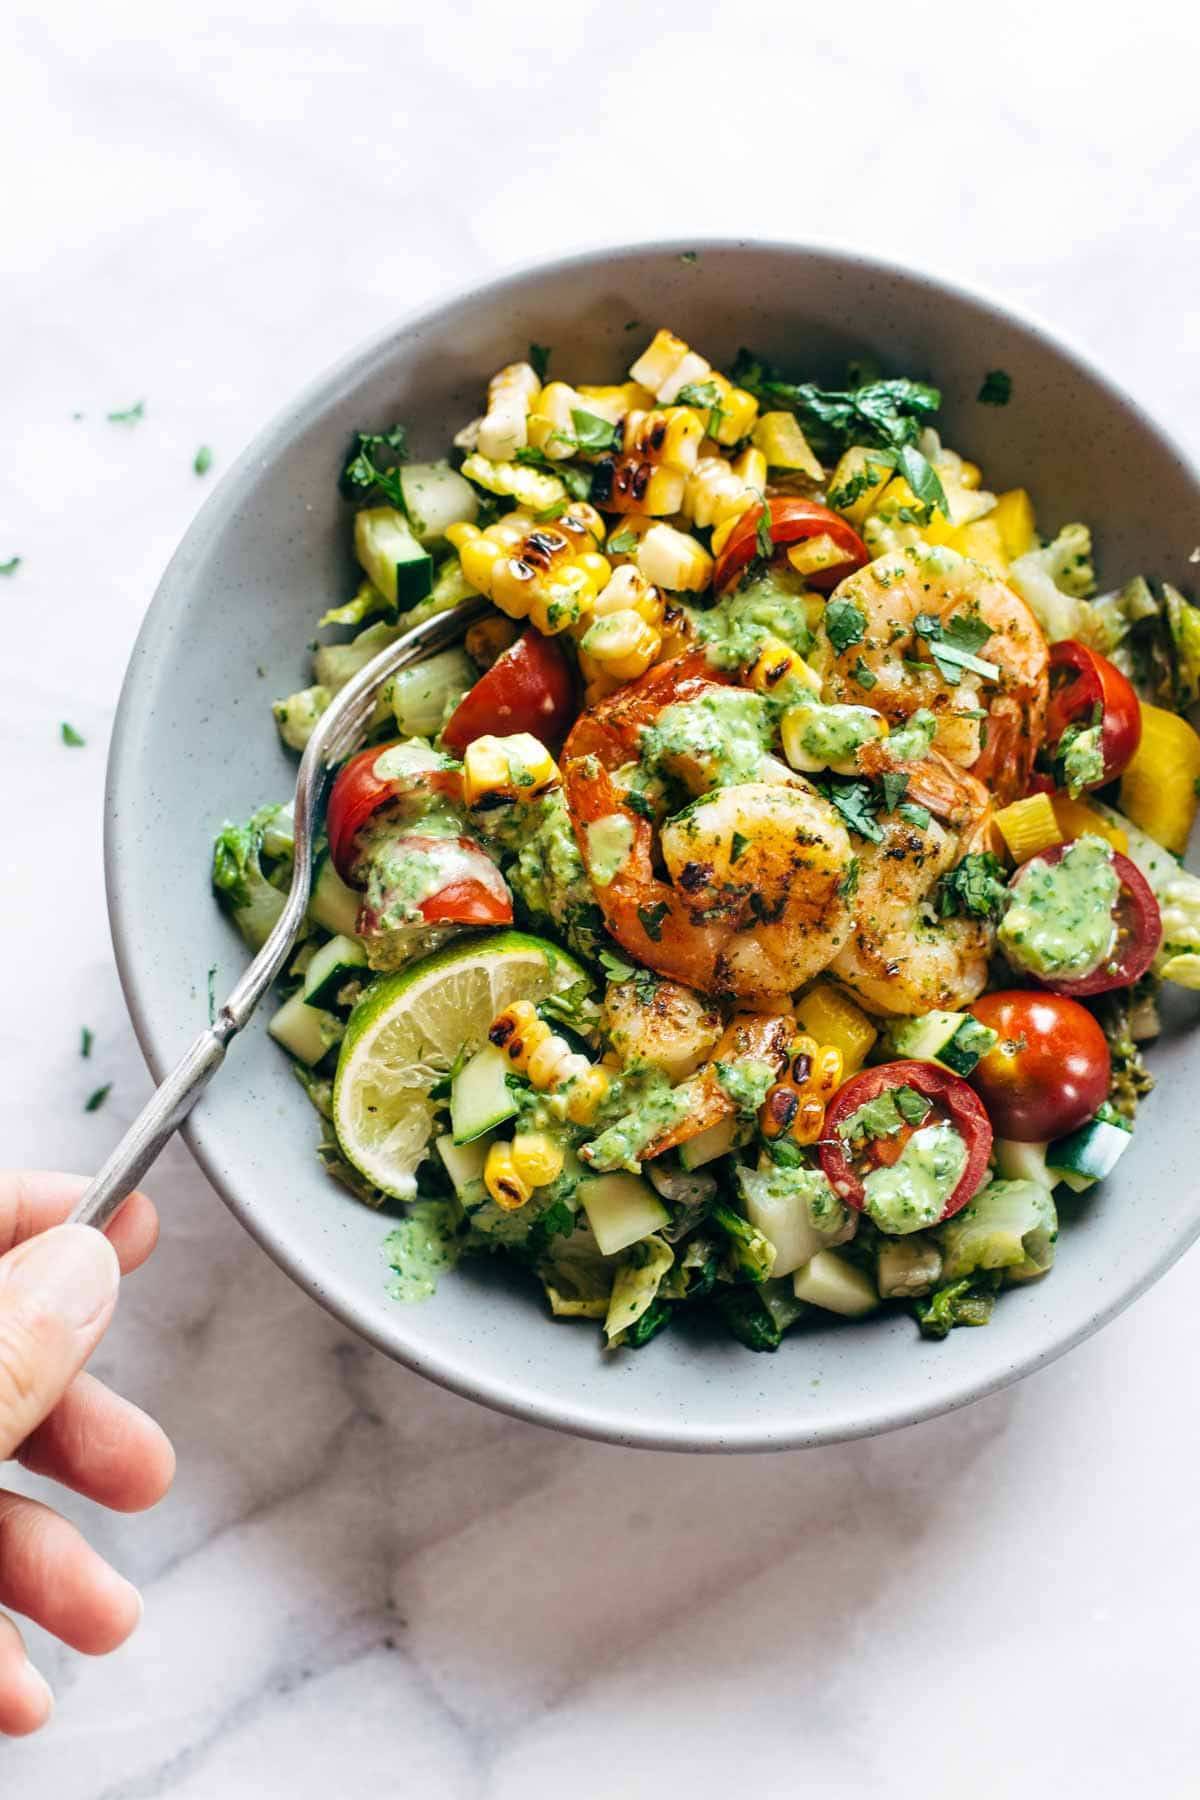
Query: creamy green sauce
[(1083, 761), (645, 1105), (912, 741), (732, 632), (547, 875), (718, 740), (609, 842), (1060, 920), (421, 1248), (746, 1083), (913, 1192), (816, 736), (400, 875)]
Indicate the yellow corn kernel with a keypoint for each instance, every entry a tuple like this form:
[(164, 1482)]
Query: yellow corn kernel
[(623, 397), (1077, 819), (833, 1018), (733, 417), (1158, 789), (981, 540), (667, 363), (546, 1063), (809, 1121), (586, 1093), (784, 445), (1028, 826), (751, 468), (857, 483), (518, 1032), (517, 767), (714, 492), (502, 1180), (537, 1157), (478, 557), (777, 666), (813, 554), (669, 437), (826, 1075), (529, 487), (628, 589), (671, 559), (511, 393), (1013, 513), (622, 643)]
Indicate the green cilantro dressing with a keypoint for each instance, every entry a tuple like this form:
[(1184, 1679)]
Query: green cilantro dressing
[(1060, 920), (746, 1083), (609, 842), (1083, 760), (421, 1248), (646, 1105), (912, 1194), (402, 873), (717, 740), (912, 741), (820, 737), (733, 631)]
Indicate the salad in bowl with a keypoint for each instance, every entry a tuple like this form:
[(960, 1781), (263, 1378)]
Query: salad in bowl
[(763, 910)]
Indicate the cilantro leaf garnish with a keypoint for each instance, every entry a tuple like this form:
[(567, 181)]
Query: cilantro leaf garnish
[(132, 415), (96, 1099), (615, 967), (593, 435), (863, 676), (738, 845), (705, 395), (912, 814), (623, 542), (86, 1040), (848, 885), (924, 481), (888, 413), (841, 499), (852, 799), (370, 469), (996, 389), (651, 918), (912, 1106), (894, 783), (203, 460), (975, 887), (764, 539), (948, 645), (844, 624), (71, 736)]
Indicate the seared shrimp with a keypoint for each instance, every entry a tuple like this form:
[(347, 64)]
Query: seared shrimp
[(901, 957), (890, 595), (752, 901)]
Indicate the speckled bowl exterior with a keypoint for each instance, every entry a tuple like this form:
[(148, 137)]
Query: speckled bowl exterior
[(195, 745)]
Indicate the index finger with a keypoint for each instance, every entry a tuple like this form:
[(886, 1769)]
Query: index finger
[(32, 1200)]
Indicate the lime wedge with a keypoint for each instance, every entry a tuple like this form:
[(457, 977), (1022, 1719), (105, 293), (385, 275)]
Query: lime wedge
[(405, 1033)]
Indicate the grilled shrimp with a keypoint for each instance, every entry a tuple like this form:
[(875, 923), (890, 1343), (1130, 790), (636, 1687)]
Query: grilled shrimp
[(891, 595), (901, 957), (738, 893)]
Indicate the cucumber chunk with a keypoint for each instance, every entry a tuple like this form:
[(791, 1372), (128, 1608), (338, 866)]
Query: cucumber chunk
[(331, 903), (463, 1163), (341, 960), (480, 1098), (1023, 1162), (1088, 1154), (620, 1209), (706, 1146), (399, 566), (956, 1040), (305, 1030), (435, 496), (837, 1285)]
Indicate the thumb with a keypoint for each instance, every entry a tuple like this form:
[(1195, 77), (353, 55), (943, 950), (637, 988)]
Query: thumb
[(57, 1294)]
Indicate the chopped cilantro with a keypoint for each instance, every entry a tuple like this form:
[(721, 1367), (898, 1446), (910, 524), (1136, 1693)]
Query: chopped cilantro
[(974, 887), (539, 359), (86, 1040), (924, 481), (888, 413), (623, 542), (652, 919), (96, 1099), (132, 415), (894, 783), (11, 566), (912, 814), (550, 513), (764, 540), (952, 644), (842, 499), (853, 800), (737, 846), (844, 624), (631, 324), (996, 389), (848, 885), (203, 460), (863, 676), (707, 396), (593, 435), (615, 967), (690, 256), (370, 468), (71, 736), (912, 1106), (638, 803)]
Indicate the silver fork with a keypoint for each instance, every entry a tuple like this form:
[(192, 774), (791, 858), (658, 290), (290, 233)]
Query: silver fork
[(338, 731)]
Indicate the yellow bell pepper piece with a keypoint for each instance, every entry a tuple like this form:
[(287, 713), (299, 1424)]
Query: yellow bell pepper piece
[(830, 1016), (983, 541), (1028, 827), (846, 478), (785, 446), (1077, 819), (1158, 789), (1013, 513)]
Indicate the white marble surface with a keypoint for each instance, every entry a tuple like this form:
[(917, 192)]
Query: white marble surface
[(361, 1585)]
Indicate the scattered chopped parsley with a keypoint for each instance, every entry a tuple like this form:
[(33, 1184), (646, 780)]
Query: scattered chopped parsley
[(953, 642), (71, 736), (86, 1040), (11, 566), (132, 415), (863, 676), (996, 389), (853, 800), (690, 256), (623, 542), (912, 1106), (370, 469), (615, 967), (975, 887), (652, 919), (96, 1099), (848, 885), (638, 803), (844, 624), (203, 460), (539, 359), (842, 499)]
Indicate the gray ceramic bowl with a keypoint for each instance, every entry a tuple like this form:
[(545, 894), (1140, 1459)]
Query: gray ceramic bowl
[(195, 745)]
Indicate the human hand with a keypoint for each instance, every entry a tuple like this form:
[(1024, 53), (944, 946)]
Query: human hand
[(58, 1290)]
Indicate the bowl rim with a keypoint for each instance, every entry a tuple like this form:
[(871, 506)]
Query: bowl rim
[(505, 1394)]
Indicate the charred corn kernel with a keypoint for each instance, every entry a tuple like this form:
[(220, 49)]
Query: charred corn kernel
[(529, 487), (833, 1018), (552, 424), (813, 554), (586, 1093), (795, 1104), (668, 364), (981, 540), (627, 589), (631, 525), (718, 490), (1158, 789), (1077, 819), (777, 668), (511, 393), (626, 484), (517, 767), (678, 629), (519, 1033), (785, 446), (1028, 826), (548, 573), (502, 1179), (622, 643), (826, 1075), (810, 1120), (670, 437), (537, 1157), (1013, 514), (624, 396), (489, 638), (671, 559), (858, 481)]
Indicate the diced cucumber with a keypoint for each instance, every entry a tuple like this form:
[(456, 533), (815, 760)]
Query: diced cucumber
[(956, 1040), (706, 1146), (423, 697), (1088, 1154), (435, 496), (480, 1097), (620, 1209), (341, 960), (399, 566), (837, 1285), (1022, 1162), (305, 1030), (463, 1163), (331, 903), (907, 1267), (783, 1218)]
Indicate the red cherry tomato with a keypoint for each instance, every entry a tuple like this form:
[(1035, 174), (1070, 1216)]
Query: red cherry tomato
[(528, 688), (952, 1100), (359, 793), (1050, 1070), (1139, 930), (481, 898), (791, 520), (1085, 686)]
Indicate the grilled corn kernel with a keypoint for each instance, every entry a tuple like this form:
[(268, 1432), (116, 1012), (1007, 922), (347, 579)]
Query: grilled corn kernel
[(628, 589), (622, 643), (629, 484), (857, 482), (785, 446), (831, 1017), (537, 1157), (517, 767), (671, 559), (511, 392), (777, 667), (659, 361), (586, 1093), (795, 1104), (625, 396), (545, 1064), (669, 438), (1028, 826), (502, 1179), (815, 553), (809, 1121), (826, 1075), (529, 487), (714, 493)]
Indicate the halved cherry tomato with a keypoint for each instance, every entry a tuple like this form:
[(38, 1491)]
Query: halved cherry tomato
[(791, 520), (1139, 929), (1086, 688), (1050, 1070), (529, 687), (465, 886), (952, 1100), (359, 793)]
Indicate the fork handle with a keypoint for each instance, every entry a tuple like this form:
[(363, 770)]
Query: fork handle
[(154, 1126)]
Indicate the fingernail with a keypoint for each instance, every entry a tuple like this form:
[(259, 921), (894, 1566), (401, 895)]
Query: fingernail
[(38, 1689), (71, 1272)]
